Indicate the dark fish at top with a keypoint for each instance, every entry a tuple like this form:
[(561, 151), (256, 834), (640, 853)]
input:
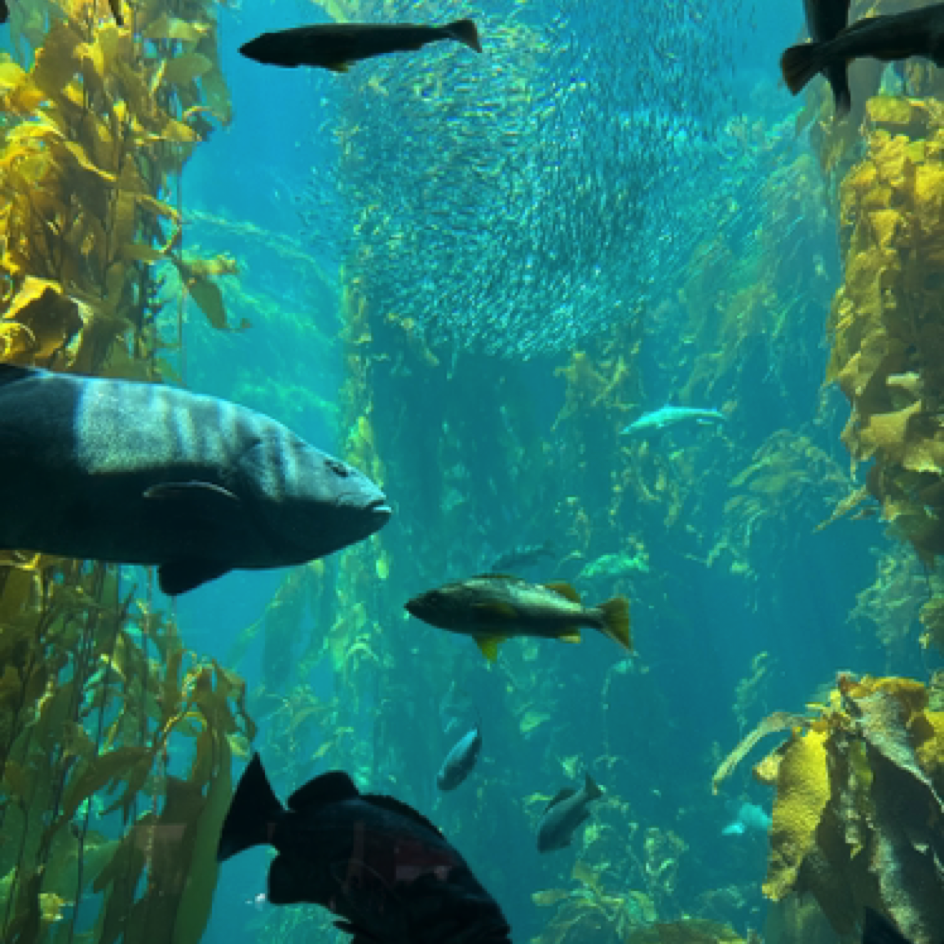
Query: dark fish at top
[(141, 473), (4, 11), (494, 607), (565, 814), (336, 46), (824, 19), (520, 557), (894, 36), (460, 761), (386, 871)]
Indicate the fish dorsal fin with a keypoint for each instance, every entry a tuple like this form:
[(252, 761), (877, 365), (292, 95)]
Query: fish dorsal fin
[(392, 805), (564, 794), (564, 589), (333, 787)]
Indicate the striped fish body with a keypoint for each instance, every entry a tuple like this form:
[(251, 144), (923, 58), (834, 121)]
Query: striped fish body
[(147, 474)]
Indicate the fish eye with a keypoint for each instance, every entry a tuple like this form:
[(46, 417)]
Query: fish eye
[(338, 468)]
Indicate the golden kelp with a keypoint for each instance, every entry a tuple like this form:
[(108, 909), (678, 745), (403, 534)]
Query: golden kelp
[(856, 819)]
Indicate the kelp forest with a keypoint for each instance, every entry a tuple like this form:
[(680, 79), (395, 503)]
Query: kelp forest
[(782, 568)]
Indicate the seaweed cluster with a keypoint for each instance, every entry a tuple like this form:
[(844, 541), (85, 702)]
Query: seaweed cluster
[(858, 805)]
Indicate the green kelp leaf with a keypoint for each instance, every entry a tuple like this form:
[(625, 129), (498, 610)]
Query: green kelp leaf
[(209, 298), (183, 69), (170, 27), (533, 719), (92, 775), (550, 897)]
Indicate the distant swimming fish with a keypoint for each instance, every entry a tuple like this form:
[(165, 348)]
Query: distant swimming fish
[(336, 46), (140, 473), (460, 761), (824, 20), (521, 556), (750, 818), (665, 416), (894, 36), (565, 814), (494, 607)]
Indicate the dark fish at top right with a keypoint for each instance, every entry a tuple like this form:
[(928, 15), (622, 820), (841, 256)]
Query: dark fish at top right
[(825, 19), (894, 36), (336, 46)]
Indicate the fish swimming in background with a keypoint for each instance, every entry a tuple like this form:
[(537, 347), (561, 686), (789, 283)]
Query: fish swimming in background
[(494, 607), (521, 557), (141, 473), (824, 19), (460, 761), (917, 32), (336, 46), (385, 870), (666, 416), (565, 814), (750, 818)]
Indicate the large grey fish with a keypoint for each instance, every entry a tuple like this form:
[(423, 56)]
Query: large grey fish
[(893, 36), (146, 474), (668, 415), (565, 814), (335, 46), (386, 871), (494, 607), (824, 20), (460, 761)]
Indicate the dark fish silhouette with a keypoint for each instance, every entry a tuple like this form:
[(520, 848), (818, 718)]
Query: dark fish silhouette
[(336, 46), (460, 761), (895, 36), (493, 607), (4, 11), (146, 474), (524, 555), (385, 870), (565, 814), (824, 19)]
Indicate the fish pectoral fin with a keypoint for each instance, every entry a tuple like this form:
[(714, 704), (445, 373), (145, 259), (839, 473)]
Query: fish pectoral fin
[(176, 577), (489, 646), (563, 589), (198, 497), (338, 66), (571, 634)]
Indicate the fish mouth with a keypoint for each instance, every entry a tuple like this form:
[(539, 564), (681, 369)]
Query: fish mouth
[(380, 508)]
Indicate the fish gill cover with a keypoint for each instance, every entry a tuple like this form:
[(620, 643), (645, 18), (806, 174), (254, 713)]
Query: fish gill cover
[(518, 202)]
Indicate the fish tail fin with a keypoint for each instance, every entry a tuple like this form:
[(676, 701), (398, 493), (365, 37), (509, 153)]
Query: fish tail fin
[(799, 64), (253, 809), (465, 31), (615, 621), (591, 788)]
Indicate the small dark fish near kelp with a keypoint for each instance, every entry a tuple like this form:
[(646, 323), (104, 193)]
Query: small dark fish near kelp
[(895, 36), (141, 473), (565, 814), (494, 607), (521, 557), (336, 46), (460, 761), (385, 870), (824, 20)]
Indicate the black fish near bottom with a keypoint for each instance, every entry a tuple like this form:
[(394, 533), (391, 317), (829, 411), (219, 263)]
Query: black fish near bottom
[(336, 46), (384, 869)]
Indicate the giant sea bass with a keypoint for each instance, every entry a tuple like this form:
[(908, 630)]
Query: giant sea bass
[(141, 473)]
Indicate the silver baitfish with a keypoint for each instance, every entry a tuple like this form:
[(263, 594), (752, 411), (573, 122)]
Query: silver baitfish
[(140, 473)]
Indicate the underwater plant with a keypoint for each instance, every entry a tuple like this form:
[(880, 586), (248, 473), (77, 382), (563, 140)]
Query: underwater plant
[(858, 805)]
